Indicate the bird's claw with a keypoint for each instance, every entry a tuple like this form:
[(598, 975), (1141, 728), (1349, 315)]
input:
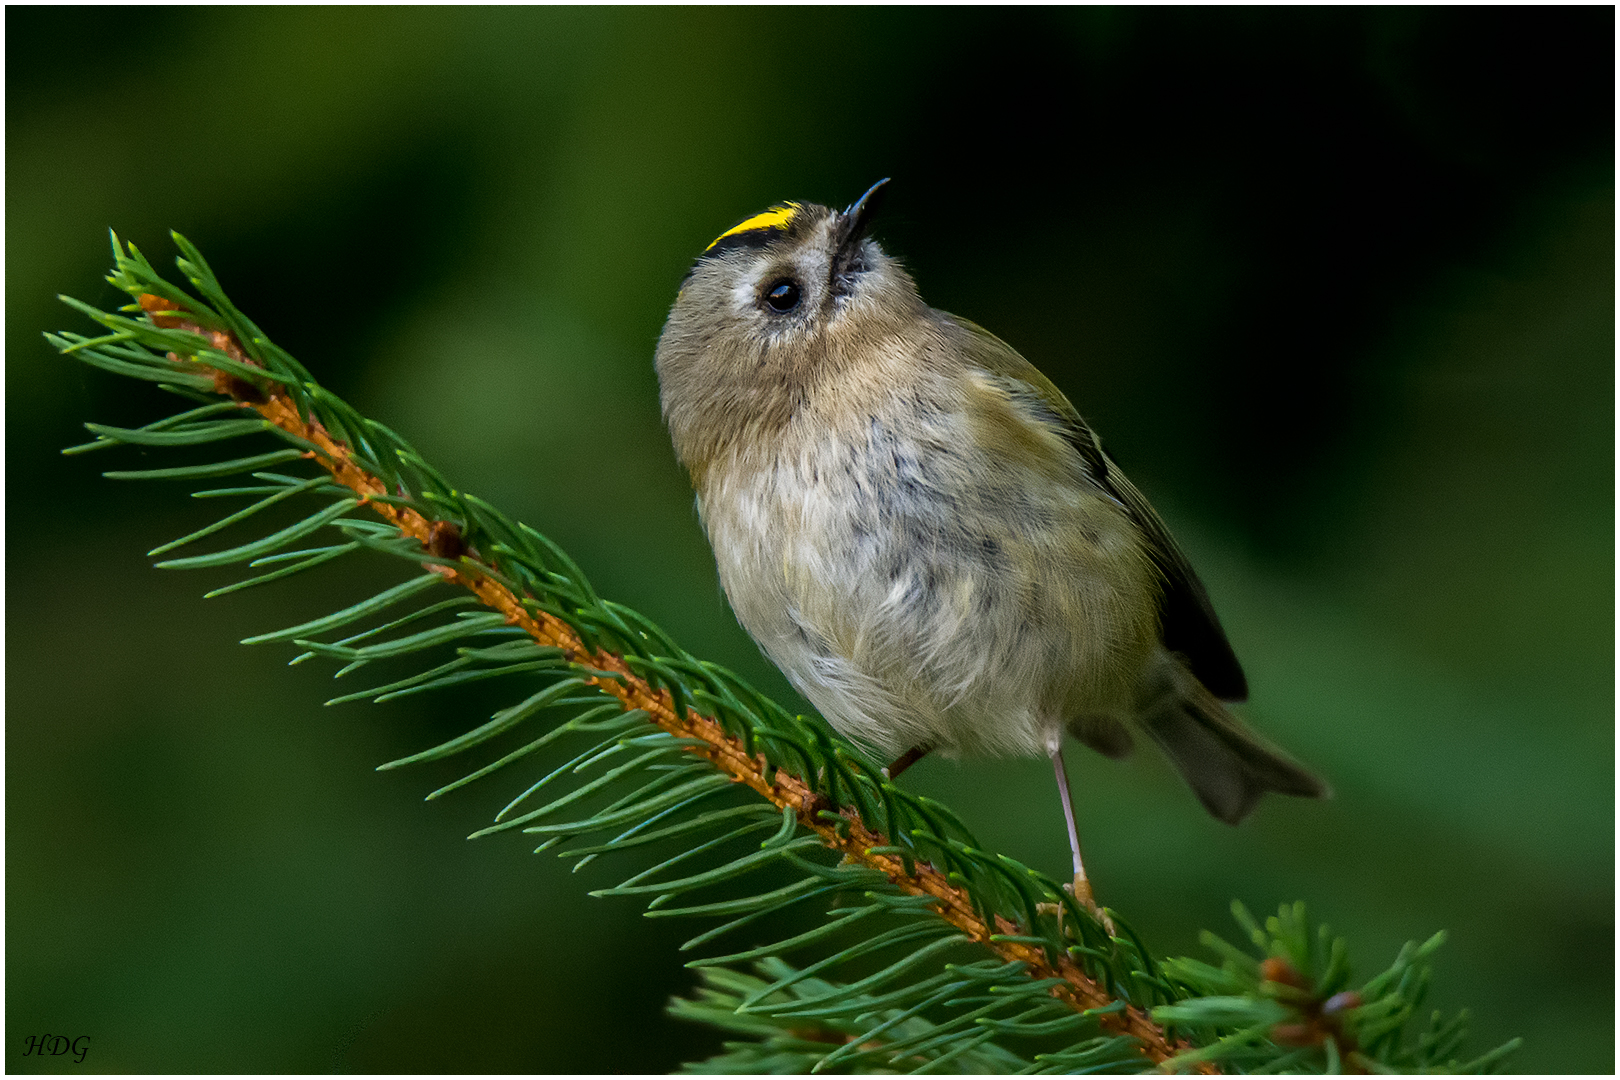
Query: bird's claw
[(1081, 891)]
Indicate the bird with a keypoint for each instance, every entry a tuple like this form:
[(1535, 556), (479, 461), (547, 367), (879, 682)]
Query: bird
[(919, 529)]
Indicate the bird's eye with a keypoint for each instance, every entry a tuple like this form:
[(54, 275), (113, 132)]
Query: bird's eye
[(783, 296)]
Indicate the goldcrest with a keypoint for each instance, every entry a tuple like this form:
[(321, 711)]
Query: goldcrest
[(919, 529)]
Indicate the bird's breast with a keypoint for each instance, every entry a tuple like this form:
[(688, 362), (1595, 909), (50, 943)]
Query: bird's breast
[(912, 584)]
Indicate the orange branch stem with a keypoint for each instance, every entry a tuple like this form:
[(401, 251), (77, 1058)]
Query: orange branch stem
[(726, 752)]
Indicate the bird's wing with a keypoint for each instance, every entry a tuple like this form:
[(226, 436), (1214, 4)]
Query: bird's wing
[(1186, 616)]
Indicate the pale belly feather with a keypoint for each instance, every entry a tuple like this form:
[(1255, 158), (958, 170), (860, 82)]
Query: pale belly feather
[(920, 592)]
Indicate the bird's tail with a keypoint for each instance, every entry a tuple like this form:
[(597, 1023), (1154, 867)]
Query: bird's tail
[(1227, 765)]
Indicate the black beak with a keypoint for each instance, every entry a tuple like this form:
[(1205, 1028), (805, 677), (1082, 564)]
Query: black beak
[(858, 218)]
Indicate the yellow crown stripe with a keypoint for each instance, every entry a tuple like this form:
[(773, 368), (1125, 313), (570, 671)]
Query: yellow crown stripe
[(777, 217)]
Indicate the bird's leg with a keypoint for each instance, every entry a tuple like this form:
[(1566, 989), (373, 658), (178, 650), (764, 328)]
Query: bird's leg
[(906, 761), (1082, 884)]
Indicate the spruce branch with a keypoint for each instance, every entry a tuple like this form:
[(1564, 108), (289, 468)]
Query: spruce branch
[(972, 951), (840, 828)]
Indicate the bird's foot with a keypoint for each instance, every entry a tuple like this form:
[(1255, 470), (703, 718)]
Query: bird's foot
[(1081, 891)]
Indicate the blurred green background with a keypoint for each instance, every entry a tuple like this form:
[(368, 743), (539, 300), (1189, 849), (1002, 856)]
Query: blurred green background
[(1336, 285)]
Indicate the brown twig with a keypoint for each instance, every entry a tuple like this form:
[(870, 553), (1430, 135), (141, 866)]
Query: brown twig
[(851, 836)]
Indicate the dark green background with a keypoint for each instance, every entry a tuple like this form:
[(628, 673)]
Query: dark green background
[(1337, 287)]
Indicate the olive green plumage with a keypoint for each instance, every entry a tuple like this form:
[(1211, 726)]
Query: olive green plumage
[(920, 530)]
